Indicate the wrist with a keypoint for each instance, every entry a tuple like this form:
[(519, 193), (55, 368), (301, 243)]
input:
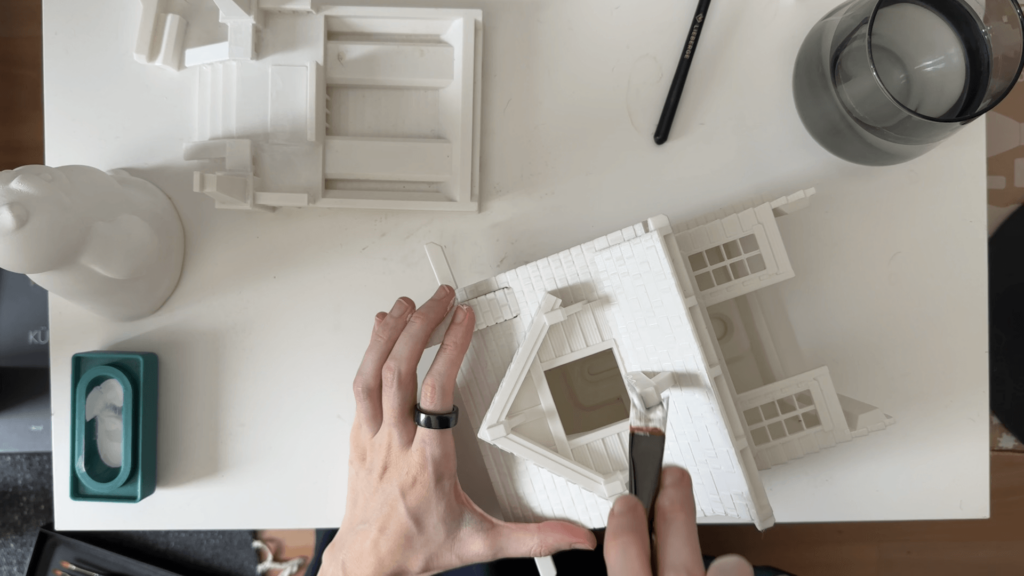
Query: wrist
[(342, 560)]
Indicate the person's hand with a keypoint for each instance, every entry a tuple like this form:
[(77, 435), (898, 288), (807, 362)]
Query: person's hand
[(406, 512), (627, 548)]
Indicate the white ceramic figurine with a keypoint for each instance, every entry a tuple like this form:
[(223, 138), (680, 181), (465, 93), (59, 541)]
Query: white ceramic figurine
[(109, 242)]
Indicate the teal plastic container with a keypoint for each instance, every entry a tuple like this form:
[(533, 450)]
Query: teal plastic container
[(91, 478)]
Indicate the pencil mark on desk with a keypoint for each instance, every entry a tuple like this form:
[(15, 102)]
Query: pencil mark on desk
[(643, 93), (372, 242), (414, 231), (896, 268), (506, 107)]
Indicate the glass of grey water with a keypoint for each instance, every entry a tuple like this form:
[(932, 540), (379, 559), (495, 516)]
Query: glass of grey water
[(880, 82)]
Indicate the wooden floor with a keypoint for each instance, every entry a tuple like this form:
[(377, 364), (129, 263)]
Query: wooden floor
[(288, 544), (21, 83), (992, 547)]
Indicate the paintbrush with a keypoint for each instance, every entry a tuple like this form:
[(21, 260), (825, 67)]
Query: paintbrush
[(675, 91), (648, 420), (77, 570)]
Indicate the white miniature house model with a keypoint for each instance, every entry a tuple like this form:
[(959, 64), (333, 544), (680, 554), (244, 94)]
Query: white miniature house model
[(543, 381), (334, 106)]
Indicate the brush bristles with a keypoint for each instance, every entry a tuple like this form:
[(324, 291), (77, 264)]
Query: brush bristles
[(653, 419)]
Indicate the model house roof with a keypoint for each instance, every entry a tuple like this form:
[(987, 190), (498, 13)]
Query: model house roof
[(543, 383), (629, 283)]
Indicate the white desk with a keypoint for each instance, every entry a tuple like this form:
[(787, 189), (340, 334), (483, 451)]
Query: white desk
[(259, 343)]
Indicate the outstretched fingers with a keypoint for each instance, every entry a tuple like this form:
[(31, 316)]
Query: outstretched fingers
[(367, 383), (438, 389), (398, 375)]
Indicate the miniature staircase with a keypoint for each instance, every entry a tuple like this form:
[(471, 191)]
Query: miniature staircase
[(216, 129)]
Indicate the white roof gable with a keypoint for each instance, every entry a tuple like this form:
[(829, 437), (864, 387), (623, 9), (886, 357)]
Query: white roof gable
[(506, 427)]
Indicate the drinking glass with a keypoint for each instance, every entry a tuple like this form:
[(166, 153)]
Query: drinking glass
[(879, 82)]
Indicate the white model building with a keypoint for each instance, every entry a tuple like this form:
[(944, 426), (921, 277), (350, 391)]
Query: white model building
[(332, 106), (542, 383)]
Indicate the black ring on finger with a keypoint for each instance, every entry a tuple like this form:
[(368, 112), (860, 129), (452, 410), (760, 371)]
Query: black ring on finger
[(437, 421)]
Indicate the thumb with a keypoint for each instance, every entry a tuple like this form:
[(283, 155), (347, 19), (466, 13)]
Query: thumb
[(730, 565), (519, 540), (627, 543)]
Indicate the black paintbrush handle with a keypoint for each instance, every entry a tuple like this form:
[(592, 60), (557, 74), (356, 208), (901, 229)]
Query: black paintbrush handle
[(645, 457), (675, 92)]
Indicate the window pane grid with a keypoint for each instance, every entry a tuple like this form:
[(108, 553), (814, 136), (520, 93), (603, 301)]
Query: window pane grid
[(784, 418), (728, 262), (767, 421)]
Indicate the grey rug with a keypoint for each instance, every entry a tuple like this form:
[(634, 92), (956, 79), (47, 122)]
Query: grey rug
[(26, 503)]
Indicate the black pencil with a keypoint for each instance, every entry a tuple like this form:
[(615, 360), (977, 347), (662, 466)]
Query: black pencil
[(668, 113)]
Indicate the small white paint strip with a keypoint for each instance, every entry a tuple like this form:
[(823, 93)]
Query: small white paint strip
[(546, 566), (443, 274), (439, 264)]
